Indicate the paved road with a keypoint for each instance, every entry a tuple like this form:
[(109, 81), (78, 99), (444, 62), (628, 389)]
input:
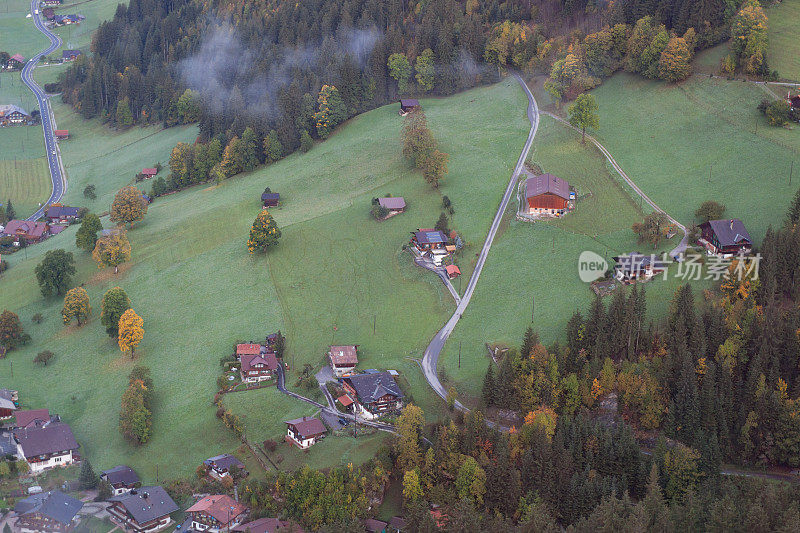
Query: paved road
[(51, 148), (431, 357)]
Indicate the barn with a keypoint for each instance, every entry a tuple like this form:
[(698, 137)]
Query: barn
[(547, 195)]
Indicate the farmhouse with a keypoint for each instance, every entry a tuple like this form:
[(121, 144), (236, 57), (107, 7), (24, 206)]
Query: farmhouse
[(258, 368), (216, 513), (394, 204), (222, 466), (30, 232), (11, 115), (9, 402), (65, 20), (121, 478), (408, 105), (61, 214), (70, 55), (725, 237), (61, 135), (547, 195), (305, 432), (637, 266), (48, 511), (270, 199), (46, 447), (375, 393), (268, 525), (343, 359), (17, 61), (33, 418), (142, 510), (426, 240), (149, 172)]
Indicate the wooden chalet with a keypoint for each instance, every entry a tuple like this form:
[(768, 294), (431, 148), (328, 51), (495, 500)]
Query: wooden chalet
[(216, 513), (70, 55), (149, 172), (270, 199), (258, 368), (343, 359), (61, 135), (305, 432), (17, 61), (13, 115), (9, 403), (61, 214), (222, 466), (407, 105), (48, 446), (30, 232), (375, 393), (393, 204), (144, 510), (725, 237), (46, 512), (122, 479), (547, 195), (426, 240), (637, 267)]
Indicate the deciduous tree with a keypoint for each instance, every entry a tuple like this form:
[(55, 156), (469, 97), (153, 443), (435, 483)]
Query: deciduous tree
[(400, 70), (11, 332), (332, 111), (76, 305), (131, 331), (710, 210), (115, 303), (675, 62), (263, 233), (129, 206), (424, 66), (412, 487), (86, 236), (583, 114), (43, 357), (54, 273), (112, 250)]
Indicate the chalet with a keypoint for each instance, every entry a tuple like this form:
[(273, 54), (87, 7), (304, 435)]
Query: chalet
[(9, 402), (48, 13), (343, 359), (47, 511), (65, 20), (121, 478), (636, 266), (222, 466), (270, 199), (725, 237), (408, 105), (216, 513), (30, 232), (374, 393), (70, 55), (11, 114), (61, 135), (52, 3), (373, 525), (394, 204), (397, 524), (268, 525), (142, 510), (149, 172), (428, 240), (33, 418), (305, 432), (452, 271), (547, 195), (46, 447), (61, 214), (17, 61), (258, 368)]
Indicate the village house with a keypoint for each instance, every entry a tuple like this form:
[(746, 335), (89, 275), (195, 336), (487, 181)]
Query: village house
[(222, 466), (373, 525), (268, 525), (427, 240), (149, 172), (33, 418), (408, 105), (305, 432), (397, 524), (30, 232), (637, 267), (61, 135), (11, 115), (393, 204), (258, 368), (343, 359), (61, 214), (270, 199), (66, 20), (9, 402), (725, 237), (70, 55), (375, 393), (143, 510), (216, 513), (51, 511), (17, 61), (547, 195), (45, 447), (121, 478)]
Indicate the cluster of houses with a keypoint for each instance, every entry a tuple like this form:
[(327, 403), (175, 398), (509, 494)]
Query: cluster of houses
[(14, 115), (433, 245), (15, 62), (57, 218), (257, 361), (370, 394), (56, 21)]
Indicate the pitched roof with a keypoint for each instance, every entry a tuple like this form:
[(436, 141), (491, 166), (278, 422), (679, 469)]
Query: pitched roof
[(373, 525), (308, 426), (344, 355), (7, 109), (270, 196), (147, 503), (546, 183), (371, 387), (224, 462), (397, 522), (120, 474), (268, 525), (26, 418), (53, 504), (393, 202), (58, 211), (409, 102), (55, 437), (430, 236), (18, 57), (729, 231), (221, 506), (31, 229), (149, 171), (345, 400), (249, 361), (7, 403), (70, 53), (61, 133), (244, 349), (452, 270)]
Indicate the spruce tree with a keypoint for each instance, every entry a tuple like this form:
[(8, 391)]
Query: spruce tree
[(10, 213), (488, 391), (529, 341), (87, 478), (504, 395), (793, 215)]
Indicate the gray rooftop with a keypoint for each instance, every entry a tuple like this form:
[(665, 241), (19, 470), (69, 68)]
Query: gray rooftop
[(147, 503), (53, 504), (546, 183), (371, 387), (730, 231)]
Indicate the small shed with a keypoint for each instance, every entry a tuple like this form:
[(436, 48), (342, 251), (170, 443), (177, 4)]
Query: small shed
[(270, 199), (452, 271), (70, 55), (408, 104), (149, 172), (395, 204), (61, 134)]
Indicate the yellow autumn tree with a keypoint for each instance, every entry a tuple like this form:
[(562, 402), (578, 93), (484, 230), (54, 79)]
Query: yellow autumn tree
[(263, 233), (543, 417), (675, 62), (76, 305), (131, 331), (112, 250), (129, 206)]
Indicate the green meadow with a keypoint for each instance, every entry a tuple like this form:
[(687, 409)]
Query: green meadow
[(784, 48)]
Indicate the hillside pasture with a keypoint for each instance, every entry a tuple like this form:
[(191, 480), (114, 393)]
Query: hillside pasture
[(784, 49), (25, 182), (18, 35)]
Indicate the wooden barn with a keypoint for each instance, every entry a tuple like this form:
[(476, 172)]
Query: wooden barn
[(408, 105), (725, 237), (547, 195)]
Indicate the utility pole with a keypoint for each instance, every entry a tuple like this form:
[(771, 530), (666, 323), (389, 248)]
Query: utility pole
[(791, 170), (533, 306), (459, 354), (374, 323), (709, 172)]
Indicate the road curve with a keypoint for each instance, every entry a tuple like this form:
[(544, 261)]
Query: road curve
[(51, 149), (431, 357)]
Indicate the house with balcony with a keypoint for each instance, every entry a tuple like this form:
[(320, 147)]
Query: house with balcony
[(143, 510)]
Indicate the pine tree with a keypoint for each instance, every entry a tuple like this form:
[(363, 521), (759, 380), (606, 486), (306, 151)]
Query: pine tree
[(87, 478), (306, 142), (488, 390), (529, 341), (263, 233), (273, 148), (793, 215), (10, 213)]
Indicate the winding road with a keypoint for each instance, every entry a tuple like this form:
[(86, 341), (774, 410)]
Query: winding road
[(51, 148), (431, 357)]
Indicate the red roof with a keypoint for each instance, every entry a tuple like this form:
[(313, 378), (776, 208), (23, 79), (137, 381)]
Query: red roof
[(308, 427), (18, 57), (25, 418), (249, 361), (149, 171), (248, 349), (61, 133), (221, 506), (32, 230), (344, 355), (452, 271), (345, 400)]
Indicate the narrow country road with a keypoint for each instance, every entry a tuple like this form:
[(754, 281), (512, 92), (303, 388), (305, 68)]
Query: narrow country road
[(431, 357), (51, 149)]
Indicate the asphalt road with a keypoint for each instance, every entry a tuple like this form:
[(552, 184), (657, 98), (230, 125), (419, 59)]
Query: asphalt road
[(431, 357), (51, 148)]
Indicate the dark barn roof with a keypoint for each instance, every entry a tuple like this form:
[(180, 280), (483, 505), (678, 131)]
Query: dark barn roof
[(223, 462), (270, 196), (371, 387), (546, 183), (308, 426), (430, 236), (146, 503), (58, 211), (409, 102), (53, 504), (393, 202), (729, 232), (121, 474)]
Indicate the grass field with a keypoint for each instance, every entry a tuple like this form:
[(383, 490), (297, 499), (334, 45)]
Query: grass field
[(199, 291), (25, 182), (18, 35), (784, 48)]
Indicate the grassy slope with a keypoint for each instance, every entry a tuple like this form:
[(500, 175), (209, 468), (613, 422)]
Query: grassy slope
[(80, 36), (18, 34), (199, 291), (784, 48)]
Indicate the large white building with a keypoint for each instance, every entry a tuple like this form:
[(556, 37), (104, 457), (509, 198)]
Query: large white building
[(47, 446)]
